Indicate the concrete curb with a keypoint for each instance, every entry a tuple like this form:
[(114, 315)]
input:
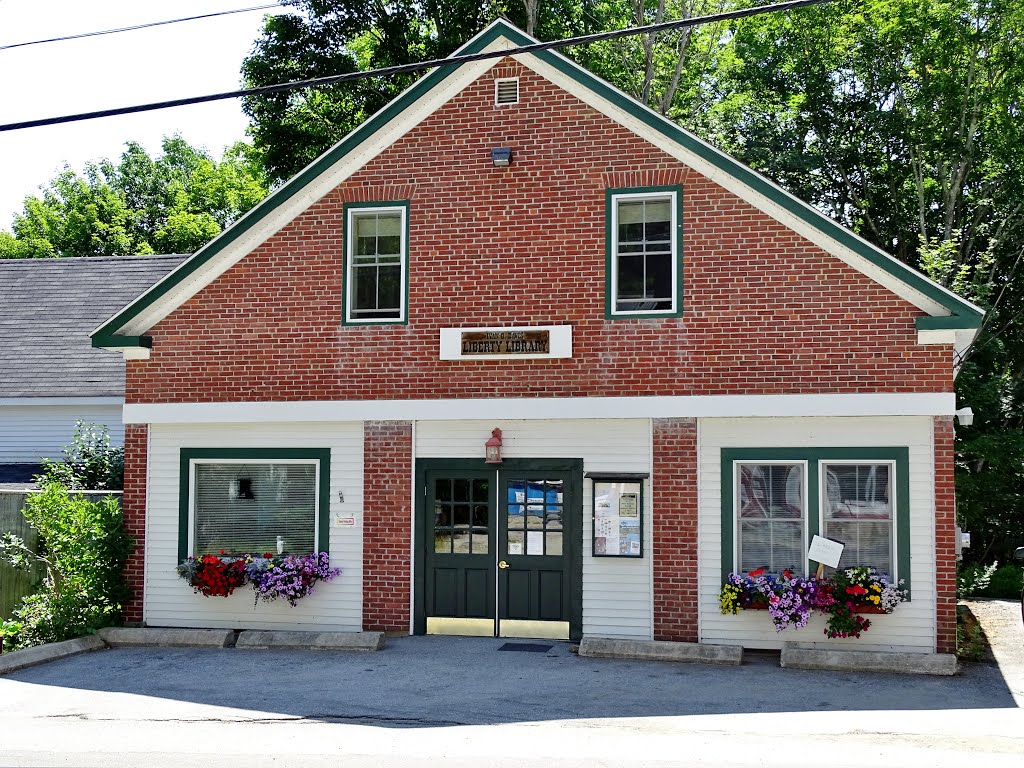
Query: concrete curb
[(659, 650), (310, 641), (121, 637), (40, 654), (798, 656)]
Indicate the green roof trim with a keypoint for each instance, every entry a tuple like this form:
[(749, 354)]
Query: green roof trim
[(116, 340), (963, 314)]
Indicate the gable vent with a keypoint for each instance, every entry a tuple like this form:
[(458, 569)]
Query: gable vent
[(506, 91)]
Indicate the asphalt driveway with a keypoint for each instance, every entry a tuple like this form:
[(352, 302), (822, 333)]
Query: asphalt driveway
[(469, 701)]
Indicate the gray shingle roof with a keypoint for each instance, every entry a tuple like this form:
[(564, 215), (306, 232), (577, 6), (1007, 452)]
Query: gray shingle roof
[(48, 307)]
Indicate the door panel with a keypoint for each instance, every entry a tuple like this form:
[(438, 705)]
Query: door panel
[(459, 528), (531, 541)]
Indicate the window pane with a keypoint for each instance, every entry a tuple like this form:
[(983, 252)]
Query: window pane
[(771, 513), (657, 213), (658, 280), (255, 508), (389, 287), (631, 277), (631, 213), (376, 268), (389, 225), (858, 511)]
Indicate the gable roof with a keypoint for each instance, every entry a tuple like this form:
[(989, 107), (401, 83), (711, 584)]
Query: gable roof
[(949, 316), (48, 307)]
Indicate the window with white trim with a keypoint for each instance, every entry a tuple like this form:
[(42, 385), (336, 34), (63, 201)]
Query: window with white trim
[(772, 510), (857, 509), (376, 259), (254, 506), (644, 265)]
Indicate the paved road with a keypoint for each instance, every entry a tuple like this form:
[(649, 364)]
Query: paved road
[(465, 702)]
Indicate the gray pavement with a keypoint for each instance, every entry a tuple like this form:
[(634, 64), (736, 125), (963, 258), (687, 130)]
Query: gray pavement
[(464, 701)]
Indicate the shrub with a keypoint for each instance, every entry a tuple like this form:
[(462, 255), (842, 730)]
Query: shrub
[(1006, 582), (84, 546), (970, 579), (89, 462)]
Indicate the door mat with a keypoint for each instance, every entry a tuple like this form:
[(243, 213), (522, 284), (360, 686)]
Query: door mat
[(526, 647)]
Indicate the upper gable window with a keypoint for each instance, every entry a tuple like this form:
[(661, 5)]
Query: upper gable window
[(376, 251), (645, 248)]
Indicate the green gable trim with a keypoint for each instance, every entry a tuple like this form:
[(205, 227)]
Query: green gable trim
[(609, 244), (323, 455), (115, 340), (404, 319), (814, 457), (970, 315), (948, 323)]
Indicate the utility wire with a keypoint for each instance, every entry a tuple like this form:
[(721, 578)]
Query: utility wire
[(138, 26), (431, 64)]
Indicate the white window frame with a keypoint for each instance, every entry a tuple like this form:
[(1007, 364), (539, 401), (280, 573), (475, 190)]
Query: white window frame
[(737, 538), (192, 492), (351, 213), (497, 82), (673, 198), (823, 463)]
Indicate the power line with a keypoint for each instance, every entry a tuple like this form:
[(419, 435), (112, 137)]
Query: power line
[(431, 64), (138, 26)]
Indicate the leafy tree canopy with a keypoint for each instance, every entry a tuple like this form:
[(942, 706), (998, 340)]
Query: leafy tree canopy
[(173, 203)]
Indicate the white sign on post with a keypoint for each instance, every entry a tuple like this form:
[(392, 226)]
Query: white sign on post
[(825, 551)]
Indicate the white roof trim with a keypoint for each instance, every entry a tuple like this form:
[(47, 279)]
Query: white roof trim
[(686, 406)]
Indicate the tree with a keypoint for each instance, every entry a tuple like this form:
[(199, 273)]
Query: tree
[(330, 37), (173, 203), (901, 119)]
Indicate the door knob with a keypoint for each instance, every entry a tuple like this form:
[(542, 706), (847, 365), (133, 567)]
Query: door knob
[(502, 564)]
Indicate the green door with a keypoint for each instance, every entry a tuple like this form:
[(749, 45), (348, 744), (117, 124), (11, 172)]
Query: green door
[(500, 548)]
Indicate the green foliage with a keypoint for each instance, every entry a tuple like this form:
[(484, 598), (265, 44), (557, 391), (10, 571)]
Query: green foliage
[(971, 643), (1006, 583), (327, 38), (971, 578), (89, 463), (84, 546), (173, 203)]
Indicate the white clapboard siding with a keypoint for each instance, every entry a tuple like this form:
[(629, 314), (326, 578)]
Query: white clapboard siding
[(334, 606), (616, 592), (29, 433), (912, 626)]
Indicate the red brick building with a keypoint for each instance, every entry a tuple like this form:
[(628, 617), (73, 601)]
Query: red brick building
[(692, 373)]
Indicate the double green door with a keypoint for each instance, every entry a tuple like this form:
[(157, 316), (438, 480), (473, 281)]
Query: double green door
[(499, 548)]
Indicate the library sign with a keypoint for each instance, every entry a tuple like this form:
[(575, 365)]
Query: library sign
[(520, 343)]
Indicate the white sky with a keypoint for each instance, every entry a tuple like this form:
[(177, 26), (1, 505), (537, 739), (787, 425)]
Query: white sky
[(173, 61)]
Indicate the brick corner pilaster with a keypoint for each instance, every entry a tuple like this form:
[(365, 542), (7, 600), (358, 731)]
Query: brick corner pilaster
[(674, 505), (387, 533), (133, 505), (945, 533)]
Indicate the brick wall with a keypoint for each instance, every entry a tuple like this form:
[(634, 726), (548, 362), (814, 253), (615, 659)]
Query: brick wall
[(134, 505), (387, 532), (945, 532), (765, 310), (675, 530)]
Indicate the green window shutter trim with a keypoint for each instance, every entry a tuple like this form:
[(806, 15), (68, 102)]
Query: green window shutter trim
[(404, 320), (323, 455), (609, 300), (814, 457)]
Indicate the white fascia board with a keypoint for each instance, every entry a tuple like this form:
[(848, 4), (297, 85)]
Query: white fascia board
[(16, 401), (697, 406), (738, 188), (274, 221)]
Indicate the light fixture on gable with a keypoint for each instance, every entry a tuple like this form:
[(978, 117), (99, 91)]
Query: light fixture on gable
[(501, 156)]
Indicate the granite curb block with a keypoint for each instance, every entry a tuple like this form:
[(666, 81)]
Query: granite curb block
[(40, 654), (310, 641), (121, 637), (660, 650), (798, 656)]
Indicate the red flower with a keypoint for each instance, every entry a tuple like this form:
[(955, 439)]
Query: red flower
[(268, 555), (755, 574), (856, 589), (787, 574)]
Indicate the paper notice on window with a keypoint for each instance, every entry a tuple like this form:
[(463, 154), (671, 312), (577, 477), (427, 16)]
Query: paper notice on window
[(535, 542), (825, 551), (628, 505)]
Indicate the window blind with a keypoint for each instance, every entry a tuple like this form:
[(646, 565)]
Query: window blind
[(858, 511)]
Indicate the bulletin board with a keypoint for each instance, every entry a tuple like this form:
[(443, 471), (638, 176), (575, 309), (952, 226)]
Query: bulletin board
[(618, 519)]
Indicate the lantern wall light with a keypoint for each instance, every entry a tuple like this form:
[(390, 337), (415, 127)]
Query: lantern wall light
[(492, 448)]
